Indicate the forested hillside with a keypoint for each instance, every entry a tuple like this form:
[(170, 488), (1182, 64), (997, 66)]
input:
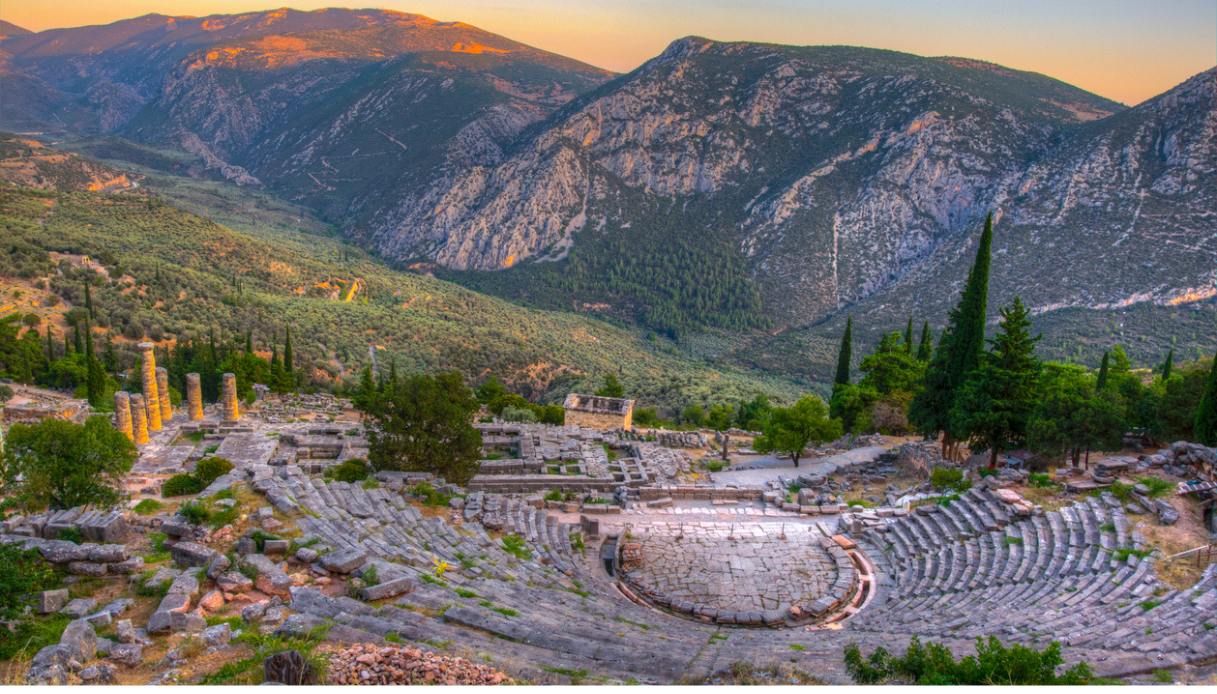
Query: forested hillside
[(157, 271)]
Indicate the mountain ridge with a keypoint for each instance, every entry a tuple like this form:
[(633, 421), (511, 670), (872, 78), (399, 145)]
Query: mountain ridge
[(732, 185)]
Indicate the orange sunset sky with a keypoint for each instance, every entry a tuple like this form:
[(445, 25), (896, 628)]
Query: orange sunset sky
[(1126, 50)]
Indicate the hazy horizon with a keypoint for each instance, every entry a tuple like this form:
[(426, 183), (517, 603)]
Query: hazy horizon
[(1123, 50)]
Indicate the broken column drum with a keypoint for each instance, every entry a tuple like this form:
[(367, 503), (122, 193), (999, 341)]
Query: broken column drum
[(151, 400), (194, 397), (162, 391), (139, 418), (122, 414), (232, 410)]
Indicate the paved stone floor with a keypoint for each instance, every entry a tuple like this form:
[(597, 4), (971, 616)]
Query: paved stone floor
[(771, 468), (741, 567)]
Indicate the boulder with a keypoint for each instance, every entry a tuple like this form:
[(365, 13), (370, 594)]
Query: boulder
[(86, 568), (62, 551), (212, 601), (388, 589), (125, 632), (80, 640), (129, 654), (107, 553), (219, 564), (52, 600), (344, 561), (234, 582), (190, 622), (217, 635), (188, 554), (79, 607)]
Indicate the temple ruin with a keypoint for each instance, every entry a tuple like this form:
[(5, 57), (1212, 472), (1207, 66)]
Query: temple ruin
[(194, 397), (139, 419), (596, 412), (228, 397), (162, 389), (122, 414), (150, 394)]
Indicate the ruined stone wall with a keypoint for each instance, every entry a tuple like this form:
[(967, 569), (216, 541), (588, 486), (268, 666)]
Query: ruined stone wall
[(598, 420)]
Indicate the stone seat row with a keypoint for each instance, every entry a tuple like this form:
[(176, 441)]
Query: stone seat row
[(384, 524)]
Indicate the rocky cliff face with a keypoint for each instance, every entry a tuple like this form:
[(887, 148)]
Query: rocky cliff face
[(837, 178), (336, 108)]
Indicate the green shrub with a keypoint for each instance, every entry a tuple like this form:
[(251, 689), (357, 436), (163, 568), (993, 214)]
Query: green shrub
[(260, 537), (350, 471), (553, 495), (1157, 486), (515, 545), (22, 573), (71, 535), (194, 512), (1040, 479), (29, 635), (147, 507), (181, 485), (208, 470), (993, 664), (949, 478), (1121, 491), (429, 495)]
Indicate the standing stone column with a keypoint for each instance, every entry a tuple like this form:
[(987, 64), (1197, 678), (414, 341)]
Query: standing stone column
[(139, 416), (162, 390), (194, 397), (232, 410), (122, 414), (151, 400)]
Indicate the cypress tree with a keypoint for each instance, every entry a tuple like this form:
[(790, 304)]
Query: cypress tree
[(288, 361), (908, 337), (77, 343), (95, 376), (958, 351), (50, 345), (844, 355), (249, 342), (1168, 365), (926, 348), (1102, 382), (109, 359), (89, 301), (994, 404), (1206, 414)]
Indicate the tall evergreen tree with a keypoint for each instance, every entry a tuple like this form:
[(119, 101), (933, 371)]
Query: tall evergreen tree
[(249, 342), (1103, 368), (908, 337), (994, 404), (289, 363), (95, 375), (925, 349), (958, 351), (109, 358), (50, 344), (1206, 413), (89, 301), (845, 354), (1168, 365), (77, 339)]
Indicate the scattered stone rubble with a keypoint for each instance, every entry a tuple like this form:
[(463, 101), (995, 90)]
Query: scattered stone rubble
[(94, 525), (87, 559), (371, 664)]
